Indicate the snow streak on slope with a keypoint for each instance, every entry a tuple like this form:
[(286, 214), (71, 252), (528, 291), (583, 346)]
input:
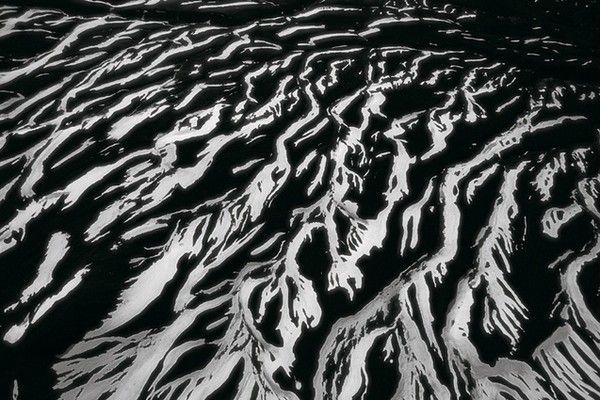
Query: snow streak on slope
[(330, 201)]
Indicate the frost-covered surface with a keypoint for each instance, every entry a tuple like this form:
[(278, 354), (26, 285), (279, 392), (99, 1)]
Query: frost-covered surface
[(335, 200)]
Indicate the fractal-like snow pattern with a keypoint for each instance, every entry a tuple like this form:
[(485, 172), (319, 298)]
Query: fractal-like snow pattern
[(297, 200)]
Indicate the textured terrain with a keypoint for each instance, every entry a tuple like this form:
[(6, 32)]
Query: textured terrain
[(323, 200)]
